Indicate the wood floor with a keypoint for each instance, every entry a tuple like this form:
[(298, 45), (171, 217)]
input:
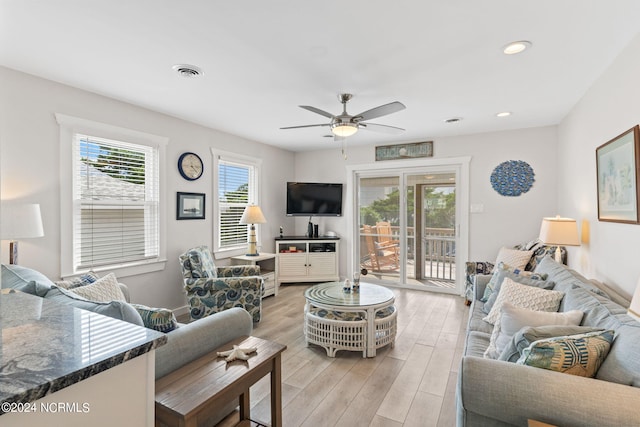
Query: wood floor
[(412, 384)]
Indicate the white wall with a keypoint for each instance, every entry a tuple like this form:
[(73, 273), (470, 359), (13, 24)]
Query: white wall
[(505, 220), (29, 168), (29, 156), (610, 107)]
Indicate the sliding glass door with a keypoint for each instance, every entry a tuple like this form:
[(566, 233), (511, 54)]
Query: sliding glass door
[(408, 227)]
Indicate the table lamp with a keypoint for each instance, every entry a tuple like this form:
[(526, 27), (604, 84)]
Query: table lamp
[(19, 222), (559, 232), (252, 215)]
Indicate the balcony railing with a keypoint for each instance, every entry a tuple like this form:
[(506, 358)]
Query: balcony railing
[(437, 253)]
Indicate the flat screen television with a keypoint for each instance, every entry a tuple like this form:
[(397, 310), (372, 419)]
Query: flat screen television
[(314, 199)]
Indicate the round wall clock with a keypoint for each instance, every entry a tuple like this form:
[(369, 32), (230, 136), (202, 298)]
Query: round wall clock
[(512, 178), (190, 166)]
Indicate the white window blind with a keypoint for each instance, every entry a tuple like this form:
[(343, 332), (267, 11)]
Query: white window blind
[(115, 202), (235, 189)]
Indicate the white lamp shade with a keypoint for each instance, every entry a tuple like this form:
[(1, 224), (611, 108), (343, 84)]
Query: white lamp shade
[(634, 308), (559, 231), (20, 222), (252, 215)]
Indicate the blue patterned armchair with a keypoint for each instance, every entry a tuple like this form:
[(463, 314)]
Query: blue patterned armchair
[(212, 289)]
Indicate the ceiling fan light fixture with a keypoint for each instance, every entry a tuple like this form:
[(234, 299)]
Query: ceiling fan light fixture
[(344, 129)]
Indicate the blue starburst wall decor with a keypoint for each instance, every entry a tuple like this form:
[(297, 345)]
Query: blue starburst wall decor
[(512, 178)]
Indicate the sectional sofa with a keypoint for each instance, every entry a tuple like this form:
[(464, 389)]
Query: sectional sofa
[(494, 392)]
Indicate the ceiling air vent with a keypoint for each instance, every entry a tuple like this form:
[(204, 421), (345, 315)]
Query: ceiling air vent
[(187, 70), (453, 120)]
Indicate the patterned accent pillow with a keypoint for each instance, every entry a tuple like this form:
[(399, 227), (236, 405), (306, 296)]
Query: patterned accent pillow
[(579, 355), (159, 319), (515, 318), (75, 282), (513, 257), (527, 335), (105, 289), (503, 270), (529, 280), (523, 296), (531, 245)]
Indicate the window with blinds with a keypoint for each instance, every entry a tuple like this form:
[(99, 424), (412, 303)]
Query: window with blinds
[(235, 192), (115, 202)]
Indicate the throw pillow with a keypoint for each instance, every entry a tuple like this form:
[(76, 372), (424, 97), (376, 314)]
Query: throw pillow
[(524, 296), (523, 277), (159, 319), (579, 355), (515, 318), (82, 280), (116, 309), (25, 280), (513, 257), (102, 290), (527, 335)]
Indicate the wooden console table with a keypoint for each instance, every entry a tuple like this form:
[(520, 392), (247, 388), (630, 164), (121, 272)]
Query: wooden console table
[(195, 392)]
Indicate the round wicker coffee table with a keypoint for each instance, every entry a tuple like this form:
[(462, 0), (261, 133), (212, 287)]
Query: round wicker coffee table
[(356, 321)]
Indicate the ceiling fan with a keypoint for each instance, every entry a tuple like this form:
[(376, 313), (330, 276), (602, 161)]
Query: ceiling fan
[(345, 125)]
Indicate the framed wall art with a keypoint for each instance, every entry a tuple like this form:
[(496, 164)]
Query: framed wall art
[(190, 206), (404, 151), (617, 170)]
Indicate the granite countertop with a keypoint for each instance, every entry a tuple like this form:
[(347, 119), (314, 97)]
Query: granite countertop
[(47, 346)]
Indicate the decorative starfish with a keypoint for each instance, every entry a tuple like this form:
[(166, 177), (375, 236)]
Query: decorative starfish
[(237, 353)]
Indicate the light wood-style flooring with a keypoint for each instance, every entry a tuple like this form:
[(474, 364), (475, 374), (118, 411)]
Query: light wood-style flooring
[(411, 384)]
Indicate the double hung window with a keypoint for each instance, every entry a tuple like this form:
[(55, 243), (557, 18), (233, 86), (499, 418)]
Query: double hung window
[(236, 188), (110, 198), (116, 202)]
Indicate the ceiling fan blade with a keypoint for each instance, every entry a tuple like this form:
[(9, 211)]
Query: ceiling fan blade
[(317, 111), (381, 128), (306, 126), (382, 110)]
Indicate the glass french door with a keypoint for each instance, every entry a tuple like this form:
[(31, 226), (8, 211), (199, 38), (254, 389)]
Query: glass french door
[(407, 227)]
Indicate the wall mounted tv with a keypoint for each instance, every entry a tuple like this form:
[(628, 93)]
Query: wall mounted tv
[(314, 199)]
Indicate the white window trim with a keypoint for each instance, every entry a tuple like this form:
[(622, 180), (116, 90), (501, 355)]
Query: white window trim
[(254, 197), (69, 126)]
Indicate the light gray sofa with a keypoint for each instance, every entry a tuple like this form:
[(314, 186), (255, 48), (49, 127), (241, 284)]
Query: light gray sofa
[(184, 344), (500, 393)]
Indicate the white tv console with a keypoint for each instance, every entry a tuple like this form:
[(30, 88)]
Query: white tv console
[(304, 259)]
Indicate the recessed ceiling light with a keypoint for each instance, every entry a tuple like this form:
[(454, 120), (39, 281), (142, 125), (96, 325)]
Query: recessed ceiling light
[(516, 47), (453, 120), (504, 114), (186, 70)]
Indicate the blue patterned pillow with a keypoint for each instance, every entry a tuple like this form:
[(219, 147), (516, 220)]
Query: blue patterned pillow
[(76, 282), (159, 319), (579, 355), (525, 277)]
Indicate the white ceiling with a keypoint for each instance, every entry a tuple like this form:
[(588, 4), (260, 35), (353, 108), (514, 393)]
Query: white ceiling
[(261, 59)]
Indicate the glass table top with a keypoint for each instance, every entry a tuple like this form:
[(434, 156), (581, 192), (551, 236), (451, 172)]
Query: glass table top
[(331, 293)]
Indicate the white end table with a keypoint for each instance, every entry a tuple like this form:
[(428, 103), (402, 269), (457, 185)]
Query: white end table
[(267, 264)]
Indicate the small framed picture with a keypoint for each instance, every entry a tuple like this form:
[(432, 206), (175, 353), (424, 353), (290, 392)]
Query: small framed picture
[(190, 206), (617, 164)]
